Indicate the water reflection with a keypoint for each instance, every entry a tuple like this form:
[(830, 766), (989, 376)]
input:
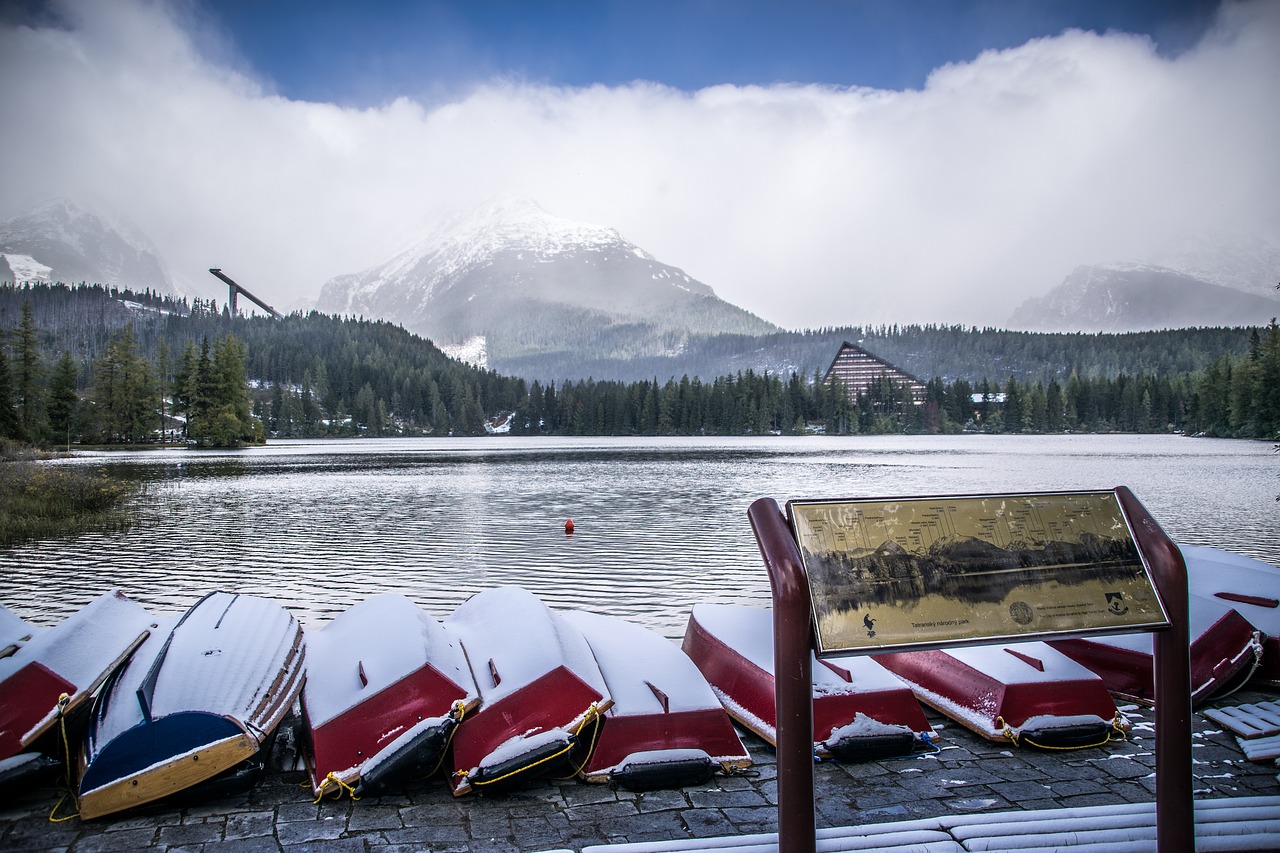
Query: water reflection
[(660, 524)]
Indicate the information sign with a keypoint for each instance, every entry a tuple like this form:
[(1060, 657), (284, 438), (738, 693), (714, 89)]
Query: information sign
[(938, 571)]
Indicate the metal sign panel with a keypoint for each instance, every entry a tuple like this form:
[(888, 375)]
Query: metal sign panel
[(953, 570)]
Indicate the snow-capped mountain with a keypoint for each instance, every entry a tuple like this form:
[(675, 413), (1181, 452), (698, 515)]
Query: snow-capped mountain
[(1134, 297), (60, 241), (535, 287)]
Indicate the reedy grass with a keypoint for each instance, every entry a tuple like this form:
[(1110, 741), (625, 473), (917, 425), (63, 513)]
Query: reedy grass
[(38, 501)]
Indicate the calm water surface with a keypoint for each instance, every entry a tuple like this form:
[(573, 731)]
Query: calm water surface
[(660, 523)]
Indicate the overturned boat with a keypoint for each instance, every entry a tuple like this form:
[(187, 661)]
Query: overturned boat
[(1225, 649), (48, 674), (861, 711), (541, 691), (1025, 693), (386, 687), (666, 728), (194, 704), (1251, 588)]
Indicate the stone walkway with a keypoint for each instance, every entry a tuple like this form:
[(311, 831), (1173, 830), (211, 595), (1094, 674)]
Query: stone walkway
[(968, 774)]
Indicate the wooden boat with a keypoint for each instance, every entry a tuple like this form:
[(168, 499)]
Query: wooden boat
[(1026, 693), (861, 711), (1250, 587), (541, 691), (386, 687), (666, 728), (72, 659), (197, 700), (1225, 649)]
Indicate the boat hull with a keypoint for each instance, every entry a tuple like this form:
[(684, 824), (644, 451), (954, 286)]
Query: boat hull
[(197, 700), (1250, 587), (860, 711), (162, 758), (541, 691), (666, 727), (71, 660), (386, 687), (1027, 693)]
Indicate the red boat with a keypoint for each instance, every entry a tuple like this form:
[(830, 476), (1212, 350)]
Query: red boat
[(666, 728), (73, 658), (1225, 649), (861, 711), (541, 691), (1251, 588), (386, 687), (1026, 693)]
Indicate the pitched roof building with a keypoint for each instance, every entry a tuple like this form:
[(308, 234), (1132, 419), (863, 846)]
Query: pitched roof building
[(860, 372)]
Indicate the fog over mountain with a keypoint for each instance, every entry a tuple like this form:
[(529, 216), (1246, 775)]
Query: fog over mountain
[(805, 204), (61, 241)]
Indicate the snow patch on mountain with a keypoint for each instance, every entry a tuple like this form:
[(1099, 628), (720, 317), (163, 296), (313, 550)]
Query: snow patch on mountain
[(473, 351), (26, 268)]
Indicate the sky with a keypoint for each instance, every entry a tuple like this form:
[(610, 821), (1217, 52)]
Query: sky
[(820, 162)]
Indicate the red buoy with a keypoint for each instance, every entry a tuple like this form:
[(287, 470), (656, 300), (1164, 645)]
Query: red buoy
[(568, 527)]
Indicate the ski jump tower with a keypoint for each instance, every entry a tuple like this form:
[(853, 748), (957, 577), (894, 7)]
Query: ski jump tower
[(234, 290)]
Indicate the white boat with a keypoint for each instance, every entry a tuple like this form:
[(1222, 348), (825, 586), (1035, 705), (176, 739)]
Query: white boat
[(198, 699), (386, 688)]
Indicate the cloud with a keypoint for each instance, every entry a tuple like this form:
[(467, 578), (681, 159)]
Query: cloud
[(809, 205)]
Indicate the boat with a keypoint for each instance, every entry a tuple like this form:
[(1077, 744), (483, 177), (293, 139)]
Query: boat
[(666, 728), (541, 691), (50, 673), (194, 705), (1225, 649), (861, 711), (386, 688), (1025, 693), (1250, 587)]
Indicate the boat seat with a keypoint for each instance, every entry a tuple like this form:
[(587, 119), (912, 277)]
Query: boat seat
[(1238, 823)]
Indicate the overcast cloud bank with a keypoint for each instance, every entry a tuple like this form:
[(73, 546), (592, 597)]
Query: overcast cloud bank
[(808, 205)]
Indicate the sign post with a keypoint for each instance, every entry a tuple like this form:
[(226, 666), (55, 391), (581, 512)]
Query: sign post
[(864, 575)]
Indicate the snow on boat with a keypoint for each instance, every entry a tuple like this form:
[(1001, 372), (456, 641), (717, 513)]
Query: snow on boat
[(1027, 693), (541, 691), (198, 699), (861, 711), (1251, 587), (386, 687), (72, 659), (666, 728), (1225, 649)]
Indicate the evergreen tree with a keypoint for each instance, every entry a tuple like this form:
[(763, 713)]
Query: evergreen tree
[(9, 427), (28, 372), (63, 399)]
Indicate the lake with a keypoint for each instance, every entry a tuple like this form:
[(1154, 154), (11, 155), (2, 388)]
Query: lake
[(660, 524)]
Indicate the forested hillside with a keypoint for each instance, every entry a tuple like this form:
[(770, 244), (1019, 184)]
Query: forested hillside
[(315, 374)]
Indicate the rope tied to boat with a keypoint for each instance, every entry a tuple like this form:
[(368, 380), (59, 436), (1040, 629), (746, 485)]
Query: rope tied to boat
[(592, 714), (63, 701), (1115, 732), (340, 786), (456, 713)]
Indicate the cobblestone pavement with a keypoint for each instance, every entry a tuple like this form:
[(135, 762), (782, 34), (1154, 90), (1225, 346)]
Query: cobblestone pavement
[(968, 774)]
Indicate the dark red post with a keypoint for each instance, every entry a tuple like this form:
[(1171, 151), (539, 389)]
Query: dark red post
[(1175, 805), (793, 676)]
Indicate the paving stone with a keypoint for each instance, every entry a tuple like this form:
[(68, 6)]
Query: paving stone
[(261, 844), (299, 831), (192, 833), (129, 839), (724, 799), (250, 825), (336, 845), (366, 817)]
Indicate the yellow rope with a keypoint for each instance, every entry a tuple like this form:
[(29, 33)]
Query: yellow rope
[(63, 701), (342, 786), (1116, 728), (592, 713), (458, 711)]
